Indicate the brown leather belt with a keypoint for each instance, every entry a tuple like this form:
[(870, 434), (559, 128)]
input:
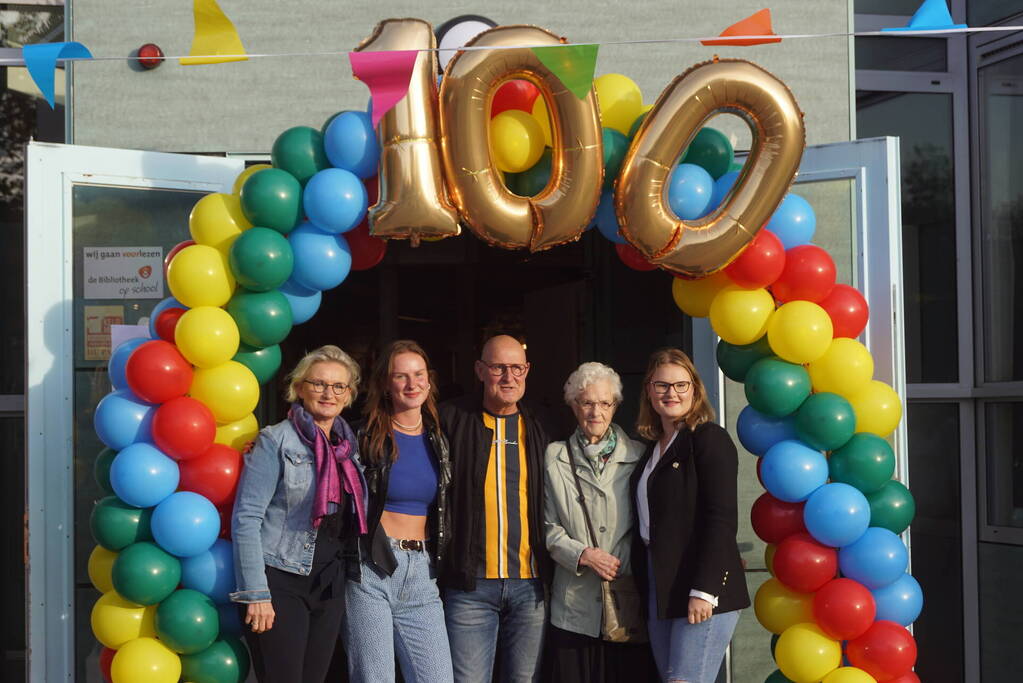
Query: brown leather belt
[(414, 545)]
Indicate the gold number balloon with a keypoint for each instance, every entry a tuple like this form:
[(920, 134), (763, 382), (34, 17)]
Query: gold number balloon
[(700, 247), (563, 209), (413, 203)]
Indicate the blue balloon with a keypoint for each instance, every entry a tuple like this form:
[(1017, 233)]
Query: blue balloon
[(122, 418), (230, 620), (722, 186), (304, 302), (607, 221), (900, 601), (791, 471), (794, 221), (876, 559), (185, 524), (211, 572), (119, 359), (322, 259), (758, 432), (689, 191), (335, 200), (169, 302), (836, 514), (142, 476), (351, 143)]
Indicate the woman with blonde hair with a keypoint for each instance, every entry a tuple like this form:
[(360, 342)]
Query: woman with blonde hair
[(685, 554)]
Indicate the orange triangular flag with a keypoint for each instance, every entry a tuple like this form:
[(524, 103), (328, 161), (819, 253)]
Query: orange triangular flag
[(758, 24)]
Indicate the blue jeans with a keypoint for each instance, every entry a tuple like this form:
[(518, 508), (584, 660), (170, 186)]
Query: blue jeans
[(398, 615), (689, 652), (502, 615)]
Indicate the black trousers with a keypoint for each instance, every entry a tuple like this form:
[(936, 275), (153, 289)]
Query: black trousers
[(307, 620), (576, 658)]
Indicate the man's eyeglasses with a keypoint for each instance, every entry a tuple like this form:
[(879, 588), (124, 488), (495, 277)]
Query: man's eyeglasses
[(663, 387), (597, 405), (498, 369), (320, 386)]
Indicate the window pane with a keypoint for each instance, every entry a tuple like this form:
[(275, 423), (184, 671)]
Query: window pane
[(923, 122), (901, 54), (1003, 453), (1001, 611), (896, 7), (982, 12), (1001, 213), (12, 539)]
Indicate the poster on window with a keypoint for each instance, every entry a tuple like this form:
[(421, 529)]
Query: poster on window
[(123, 272)]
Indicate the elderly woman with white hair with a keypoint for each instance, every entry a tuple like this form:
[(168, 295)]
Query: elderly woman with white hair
[(589, 521)]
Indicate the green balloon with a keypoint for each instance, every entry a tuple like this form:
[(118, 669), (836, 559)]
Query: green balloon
[(116, 525), (735, 166), (866, 462), (534, 179), (712, 151), (187, 621), (774, 645), (299, 151), (636, 124), (145, 573), (825, 421), (101, 469), (615, 147), (776, 388), (272, 198), (264, 363), (263, 318), (777, 677), (735, 361), (225, 661), (261, 259), (892, 507)]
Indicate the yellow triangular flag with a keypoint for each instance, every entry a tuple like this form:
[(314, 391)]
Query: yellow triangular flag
[(214, 35)]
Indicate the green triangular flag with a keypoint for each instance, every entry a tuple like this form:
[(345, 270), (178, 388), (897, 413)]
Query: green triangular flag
[(572, 64)]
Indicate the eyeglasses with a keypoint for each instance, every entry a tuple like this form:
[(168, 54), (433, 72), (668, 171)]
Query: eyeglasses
[(498, 369), (593, 405), (320, 386), (663, 387)]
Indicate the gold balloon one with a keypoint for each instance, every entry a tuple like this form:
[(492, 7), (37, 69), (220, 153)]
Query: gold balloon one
[(778, 607), (562, 210), (413, 201), (101, 563), (699, 247), (217, 220), (238, 433)]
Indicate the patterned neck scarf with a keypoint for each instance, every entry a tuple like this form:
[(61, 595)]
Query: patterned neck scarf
[(597, 454)]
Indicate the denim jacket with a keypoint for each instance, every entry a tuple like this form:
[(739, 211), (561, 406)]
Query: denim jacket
[(272, 520)]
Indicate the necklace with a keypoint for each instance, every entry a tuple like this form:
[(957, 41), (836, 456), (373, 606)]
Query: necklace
[(408, 428)]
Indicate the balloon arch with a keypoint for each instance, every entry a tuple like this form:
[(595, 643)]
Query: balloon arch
[(532, 165)]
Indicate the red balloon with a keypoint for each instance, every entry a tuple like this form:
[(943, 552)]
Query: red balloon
[(367, 251), (157, 372), (174, 252), (808, 275), (848, 310), (885, 651), (183, 428), (908, 677), (167, 321), (213, 474), (225, 521), (843, 608), (372, 190), (775, 520), (106, 658), (631, 257), (760, 264), (516, 94), (803, 564)]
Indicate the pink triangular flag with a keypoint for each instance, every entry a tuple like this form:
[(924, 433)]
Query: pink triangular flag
[(387, 74)]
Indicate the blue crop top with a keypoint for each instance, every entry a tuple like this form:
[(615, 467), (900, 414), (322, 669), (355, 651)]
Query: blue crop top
[(412, 486)]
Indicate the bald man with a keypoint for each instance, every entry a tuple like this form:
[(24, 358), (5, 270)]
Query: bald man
[(497, 563)]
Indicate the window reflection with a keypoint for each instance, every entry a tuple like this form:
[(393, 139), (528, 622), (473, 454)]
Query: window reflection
[(1003, 451)]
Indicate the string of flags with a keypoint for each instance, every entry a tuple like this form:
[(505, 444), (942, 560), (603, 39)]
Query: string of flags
[(387, 73)]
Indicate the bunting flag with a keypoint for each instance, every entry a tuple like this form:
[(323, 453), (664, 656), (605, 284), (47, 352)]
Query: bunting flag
[(572, 64), (387, 75), (931, 15), (757, 24), (41, 61), (214, 35)]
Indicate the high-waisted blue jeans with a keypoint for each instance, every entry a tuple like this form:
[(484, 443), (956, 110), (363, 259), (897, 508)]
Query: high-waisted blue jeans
[(398, 615)]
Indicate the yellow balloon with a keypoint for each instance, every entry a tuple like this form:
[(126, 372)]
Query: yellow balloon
[(217, 220), (769, 551), (115, 620), (694, 297), (805, 654), (244, 175), (800, 332), (238, 433), (207, 336), (878, 408), (849, 674), (198, 275), (145, 659), (844, 369), (516, 141), (541, 116), (740, 316), (229, 390), (101, 562), (778, 607), (620, 101)]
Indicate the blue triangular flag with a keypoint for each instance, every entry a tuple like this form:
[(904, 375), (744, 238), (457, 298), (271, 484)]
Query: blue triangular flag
[(932, 15), (41, 60)]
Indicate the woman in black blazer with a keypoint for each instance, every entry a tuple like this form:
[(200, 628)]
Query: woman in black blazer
[(685, 555)]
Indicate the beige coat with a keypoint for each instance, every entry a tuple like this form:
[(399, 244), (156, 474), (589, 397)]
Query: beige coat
[(575, 595)]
